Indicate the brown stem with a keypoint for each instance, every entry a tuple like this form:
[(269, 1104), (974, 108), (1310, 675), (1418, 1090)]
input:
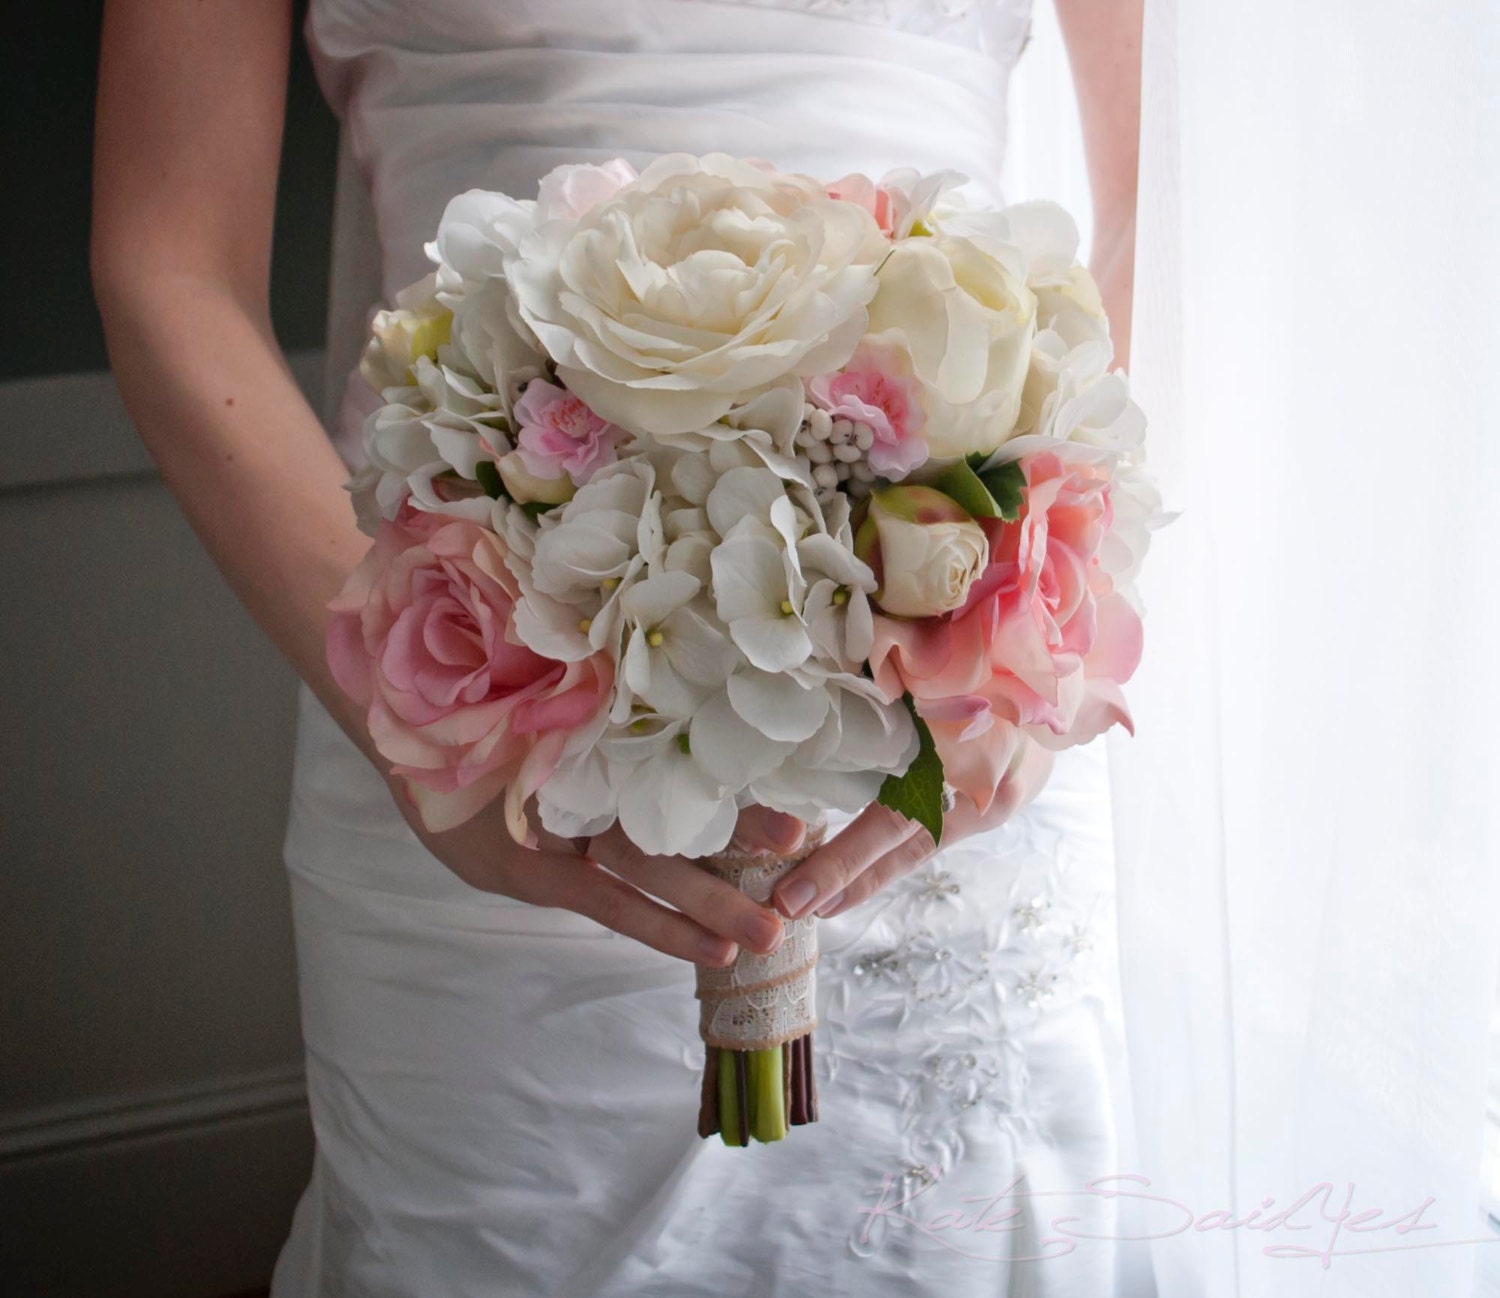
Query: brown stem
[(812, 1084), (742, 1093), (708, 1106), (799, 1091)]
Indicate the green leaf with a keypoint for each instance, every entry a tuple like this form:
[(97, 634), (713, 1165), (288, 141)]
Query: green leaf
[(918, 795), (1006, 484), (488, 477), (965, 487), (536, 508)]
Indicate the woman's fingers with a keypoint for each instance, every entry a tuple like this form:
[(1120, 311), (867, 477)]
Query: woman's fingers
[(835, 865), (902, 859), (718, 906), (762, 830), (1022, 782), (593, 891)]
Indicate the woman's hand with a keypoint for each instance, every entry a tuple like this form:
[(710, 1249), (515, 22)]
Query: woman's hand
[(610, 880), (881, 845)]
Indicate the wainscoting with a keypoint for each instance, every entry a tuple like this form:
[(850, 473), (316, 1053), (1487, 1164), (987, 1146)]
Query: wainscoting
[(153, 1124)]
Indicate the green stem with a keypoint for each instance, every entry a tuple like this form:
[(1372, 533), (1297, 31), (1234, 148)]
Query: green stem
[(767, 1105), (729, 1101)]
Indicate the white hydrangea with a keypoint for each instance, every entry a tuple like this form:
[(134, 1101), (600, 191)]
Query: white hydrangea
[(739, 619)]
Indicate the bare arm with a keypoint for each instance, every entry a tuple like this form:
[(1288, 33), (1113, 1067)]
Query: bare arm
[(187, 146), (188, 137), (1104, 50)]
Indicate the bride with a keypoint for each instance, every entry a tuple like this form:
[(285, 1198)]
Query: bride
[(502, 1055)]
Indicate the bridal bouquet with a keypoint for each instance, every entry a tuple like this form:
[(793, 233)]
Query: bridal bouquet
[(712, 486)]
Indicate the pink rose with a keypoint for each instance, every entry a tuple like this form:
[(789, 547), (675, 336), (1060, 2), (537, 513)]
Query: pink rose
[(559, 435), (900, 201), (573, 188), (422, 634), (880, 201), (1041, 646), (878, 389)]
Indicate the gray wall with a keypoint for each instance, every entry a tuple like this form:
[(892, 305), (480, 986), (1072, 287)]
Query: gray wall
[(153, 1127)]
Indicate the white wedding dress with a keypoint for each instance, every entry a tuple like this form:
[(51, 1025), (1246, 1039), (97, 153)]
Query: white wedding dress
[(505, 1096)]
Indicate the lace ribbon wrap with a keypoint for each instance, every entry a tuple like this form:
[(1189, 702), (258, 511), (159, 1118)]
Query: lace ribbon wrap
[(761, 1001)]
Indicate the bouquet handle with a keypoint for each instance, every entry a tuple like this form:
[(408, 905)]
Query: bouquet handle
[(756, 1016)]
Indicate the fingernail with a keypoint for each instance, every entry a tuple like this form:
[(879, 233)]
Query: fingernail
[(832, 903), (714, 950), (790, 834), (762, 932), (796, 895)]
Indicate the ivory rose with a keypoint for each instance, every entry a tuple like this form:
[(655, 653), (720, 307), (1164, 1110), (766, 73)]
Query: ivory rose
[(1041, 645), (701, 281), (967, 319), (422, 635), (924, 548)]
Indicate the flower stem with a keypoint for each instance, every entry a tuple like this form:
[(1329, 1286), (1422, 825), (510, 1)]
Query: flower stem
[(742, 1096), (729, 1099), (767, 1109), (708, 1106)]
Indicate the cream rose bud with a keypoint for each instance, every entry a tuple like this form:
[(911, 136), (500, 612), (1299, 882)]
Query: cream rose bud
[(418, 326), (925, 549), (526, 488)]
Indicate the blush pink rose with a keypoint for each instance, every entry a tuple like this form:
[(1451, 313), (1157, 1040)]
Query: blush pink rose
[(1041, 647), (560, 436), (898, 200), (880, 201), (570, 190), (422, 635), (877, 388)]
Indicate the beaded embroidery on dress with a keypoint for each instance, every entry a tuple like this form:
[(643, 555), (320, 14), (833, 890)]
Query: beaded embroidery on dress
[(504, 1096)]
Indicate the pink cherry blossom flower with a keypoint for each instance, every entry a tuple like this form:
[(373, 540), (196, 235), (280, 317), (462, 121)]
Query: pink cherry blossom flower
[(877, 388), (1041, 646), (423, 635), (558, 434)]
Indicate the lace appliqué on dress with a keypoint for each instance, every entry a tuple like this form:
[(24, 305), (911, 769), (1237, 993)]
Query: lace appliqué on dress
[(958, 961)]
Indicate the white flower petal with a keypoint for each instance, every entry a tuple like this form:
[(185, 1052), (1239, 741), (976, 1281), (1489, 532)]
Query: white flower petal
[(669, 805), (778, 705), (749, 573), (651, 601), (698, 649), (740, 494), (774, 643), (730, 749)]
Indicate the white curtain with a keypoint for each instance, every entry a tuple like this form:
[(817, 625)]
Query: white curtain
[(1306, 833)]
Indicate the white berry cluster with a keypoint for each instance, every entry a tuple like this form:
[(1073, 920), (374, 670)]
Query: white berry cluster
[(839, 450)]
